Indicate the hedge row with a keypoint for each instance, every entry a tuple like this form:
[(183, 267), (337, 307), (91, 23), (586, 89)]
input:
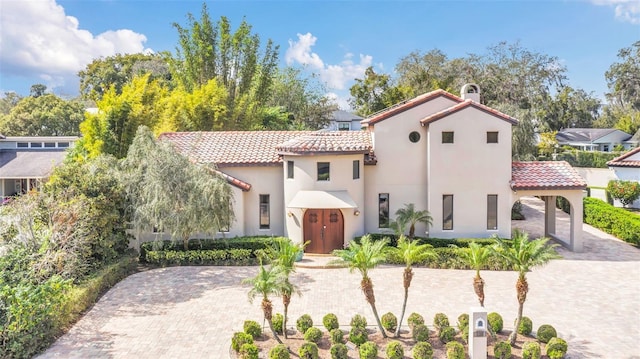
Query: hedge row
[(615, 221), (450, 258), (251, 243), (595, 159), (434, 242), (215, 257)]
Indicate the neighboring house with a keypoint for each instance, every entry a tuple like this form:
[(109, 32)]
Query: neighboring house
[(627, 168), (26, 161), (446, 154), (593, 139), (344, 121)]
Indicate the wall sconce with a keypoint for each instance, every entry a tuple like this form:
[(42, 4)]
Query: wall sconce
[(290, 214), (356, 212)]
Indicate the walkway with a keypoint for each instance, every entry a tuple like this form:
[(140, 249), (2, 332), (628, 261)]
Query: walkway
[(191, 312)]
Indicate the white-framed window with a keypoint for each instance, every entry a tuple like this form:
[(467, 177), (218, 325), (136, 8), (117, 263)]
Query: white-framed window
[(344, 126)]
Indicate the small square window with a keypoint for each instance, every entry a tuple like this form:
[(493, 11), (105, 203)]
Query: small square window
[(323, 171), (447, 137), (356, 169), (492, 137)]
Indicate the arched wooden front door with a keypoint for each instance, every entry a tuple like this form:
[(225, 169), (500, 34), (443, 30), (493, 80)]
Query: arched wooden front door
[(324, 229)]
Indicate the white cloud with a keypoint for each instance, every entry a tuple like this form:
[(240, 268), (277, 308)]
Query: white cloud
[(40, 40), (341, 101), (626, 10)]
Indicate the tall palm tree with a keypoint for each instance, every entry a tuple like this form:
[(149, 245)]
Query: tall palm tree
[(523, 255), (267, 282), (364, 256), (411, 252), (477, 257), (408, 214)]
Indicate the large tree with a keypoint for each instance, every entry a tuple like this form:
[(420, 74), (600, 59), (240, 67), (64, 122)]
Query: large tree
[(44, 115), (375, 92), (567, 108), (623, 78)]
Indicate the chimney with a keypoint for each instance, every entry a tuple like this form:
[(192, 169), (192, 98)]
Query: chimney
[(470, 92)]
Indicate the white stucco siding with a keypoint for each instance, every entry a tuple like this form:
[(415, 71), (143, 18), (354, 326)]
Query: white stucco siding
[(470, 169)]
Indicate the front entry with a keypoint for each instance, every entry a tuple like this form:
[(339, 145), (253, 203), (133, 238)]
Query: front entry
[(324, 229)]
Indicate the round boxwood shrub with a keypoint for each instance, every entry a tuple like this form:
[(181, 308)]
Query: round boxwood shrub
[(358, 335), (303, 323), (313, 334), (531, 350), (252, 328), (495, 322), (502, 350), (446, 334), (440, 320), (277, 320), (248, 351), (339, 351), (330, 322), (394, 350), (545, 333), (422, 350), (308, 350), (420, 333), (463, 321), (240, 338), (389, 321), (359, 321), (526, 326), (556, 348), (336, 336), (455, 350), (280, 351), (368, 350), (414, 319)]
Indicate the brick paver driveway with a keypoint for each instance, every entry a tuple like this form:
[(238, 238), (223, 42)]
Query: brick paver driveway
[(191, 312)]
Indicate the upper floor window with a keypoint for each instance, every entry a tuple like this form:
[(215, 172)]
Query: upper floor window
[(447, 211), (492, 137), (356, 169), (323, 171), (414, 136), (344, 126), (383, 210), (447, 137), (289, 169)]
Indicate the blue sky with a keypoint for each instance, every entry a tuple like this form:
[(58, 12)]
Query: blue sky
[(49, 41)]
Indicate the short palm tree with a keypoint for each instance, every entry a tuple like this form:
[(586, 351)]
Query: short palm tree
[(523, 255), (408, 214), (267, 282), (364, 256), (477, 257), (411, 252)]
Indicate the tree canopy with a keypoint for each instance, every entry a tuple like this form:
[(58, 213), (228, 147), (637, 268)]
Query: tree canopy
[(44, 115)]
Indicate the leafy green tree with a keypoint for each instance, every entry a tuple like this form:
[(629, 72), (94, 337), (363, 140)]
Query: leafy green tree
[(203, 109), (570, 108), (410, 216), (8, 101), (548, 143), (266, 283), (623, 80), (37, 90), (45, 115), (523, 255), (363, 257), (375, 93), (624, 191), (168, 191), (425, 72), (477, 257)]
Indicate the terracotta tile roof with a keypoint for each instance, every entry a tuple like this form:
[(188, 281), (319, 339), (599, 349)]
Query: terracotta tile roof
[(461, 106), (545, 175), (406, 105), (328, 142), (244, 186), (623, 161)]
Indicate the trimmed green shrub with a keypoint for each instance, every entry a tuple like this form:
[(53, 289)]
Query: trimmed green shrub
[(240, 338), (389, 321), (359, 321), (556, 348), (414, 319), (463, 321), (446, 334), (394, 350), (308, 350), (280, 351), (313, 334), (330, 322), (526, 326), (531, 350), (277, 320), (502, 350), (358, 335), (440, 320), (336, 336), (464, 333), (368, 350), (545, 333), (303, 323), (248, 351), (422, 350), (615, 221), (455, 350), (420, 333), (339, 351), (252, 328), (495, 322), (596, 159)]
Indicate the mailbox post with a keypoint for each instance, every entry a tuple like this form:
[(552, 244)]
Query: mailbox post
[(478, 333)]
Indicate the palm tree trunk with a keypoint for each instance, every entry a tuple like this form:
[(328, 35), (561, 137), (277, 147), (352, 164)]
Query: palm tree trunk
[(522, 287), (286, 299), (267, 309), (407, 276), (367, 287), (478, 287)]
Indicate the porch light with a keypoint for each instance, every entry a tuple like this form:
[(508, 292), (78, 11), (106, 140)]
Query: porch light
[(356, 212), (290, 214)]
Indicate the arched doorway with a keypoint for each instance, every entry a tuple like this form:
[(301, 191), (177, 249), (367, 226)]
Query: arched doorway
[(324, 229)]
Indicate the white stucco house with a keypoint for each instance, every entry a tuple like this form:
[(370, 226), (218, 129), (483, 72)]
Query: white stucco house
[(344, 121), (627, 168), (447, 154)]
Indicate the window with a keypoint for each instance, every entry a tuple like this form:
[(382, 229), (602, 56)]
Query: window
[(414, 136), (289, 169), (605, 148), (383, 210), (23, 144), (63, 144), (447, 211), (49, 144), (323, 171), (344, 126), (356, 169), (36, 144), (447, 137), (492, 137), (265, 221), (492, 211)]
